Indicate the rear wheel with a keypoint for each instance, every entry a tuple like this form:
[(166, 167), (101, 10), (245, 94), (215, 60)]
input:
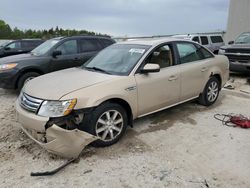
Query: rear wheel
[(25, 78), (108, 122), (210, 93)]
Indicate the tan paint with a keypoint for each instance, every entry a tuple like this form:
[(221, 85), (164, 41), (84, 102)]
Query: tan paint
[(145, 94), (30, 120), (68, 144), (157, 90)]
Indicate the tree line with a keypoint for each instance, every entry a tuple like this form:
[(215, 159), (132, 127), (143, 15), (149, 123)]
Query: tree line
[(6, 32)]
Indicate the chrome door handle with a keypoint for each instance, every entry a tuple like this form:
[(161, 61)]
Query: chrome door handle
[(172, 78), (204, 69)]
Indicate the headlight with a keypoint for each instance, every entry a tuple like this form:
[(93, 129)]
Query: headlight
[(221, 51), (56, 108), (7, 66)]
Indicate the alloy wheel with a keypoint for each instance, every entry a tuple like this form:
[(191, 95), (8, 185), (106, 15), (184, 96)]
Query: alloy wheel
[(109, 125), (213, 91)]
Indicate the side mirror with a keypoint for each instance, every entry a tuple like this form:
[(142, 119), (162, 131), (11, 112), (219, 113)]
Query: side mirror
[(231, 42), (150, 68), (56, 53), (7, 48)]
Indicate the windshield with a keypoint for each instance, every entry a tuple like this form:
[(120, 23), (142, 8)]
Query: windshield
[(45, 47), (3, 43), (243, 38), (118, 59)]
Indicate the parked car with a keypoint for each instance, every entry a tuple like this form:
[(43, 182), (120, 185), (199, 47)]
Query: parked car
[(21, 46), (212, 42), (238, 53), (65, 110), (52, 55)]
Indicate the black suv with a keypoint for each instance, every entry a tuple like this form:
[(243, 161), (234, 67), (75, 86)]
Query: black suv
[(54, 54), (238, 53), (18, 46)]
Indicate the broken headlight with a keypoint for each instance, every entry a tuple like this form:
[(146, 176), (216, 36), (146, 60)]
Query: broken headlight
[(56, 108)]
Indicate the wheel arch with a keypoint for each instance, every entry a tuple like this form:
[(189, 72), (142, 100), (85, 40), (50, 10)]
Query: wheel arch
[(24, 71), (125, 105), (218, 77)]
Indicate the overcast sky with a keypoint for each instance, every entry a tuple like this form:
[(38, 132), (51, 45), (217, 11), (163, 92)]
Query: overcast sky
[(118, 17)]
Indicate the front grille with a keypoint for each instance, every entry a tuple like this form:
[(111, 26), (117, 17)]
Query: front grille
[(29, 103), (238, 58), (238, 50)]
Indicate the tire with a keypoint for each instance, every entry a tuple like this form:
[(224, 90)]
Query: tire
[(99, 125), (210, 92), (25, 78)]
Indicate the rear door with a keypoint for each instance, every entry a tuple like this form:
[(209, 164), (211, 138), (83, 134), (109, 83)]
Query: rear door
[(26, 46), (194, 63), (70, 56), (161, 89)]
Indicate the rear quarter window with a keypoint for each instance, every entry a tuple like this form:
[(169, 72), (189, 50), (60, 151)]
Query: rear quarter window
[(106, 42), (216, 39), (89, 45)]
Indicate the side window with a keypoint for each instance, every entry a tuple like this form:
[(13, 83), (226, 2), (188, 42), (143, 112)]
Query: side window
[(204, 40), (14, 45), (216, 39), (188, 52), (196, 39), (68, 47), (26, 44), (162, 56), (89, 45)]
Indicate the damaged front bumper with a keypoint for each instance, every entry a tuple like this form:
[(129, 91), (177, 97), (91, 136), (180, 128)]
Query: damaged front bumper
[(66, 143)]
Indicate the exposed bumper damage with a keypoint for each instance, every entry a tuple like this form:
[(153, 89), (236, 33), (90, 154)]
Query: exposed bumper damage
[(66, 143)]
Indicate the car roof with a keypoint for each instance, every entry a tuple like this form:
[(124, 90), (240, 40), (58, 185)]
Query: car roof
[(151, 42), (194, 35), (83, 36)]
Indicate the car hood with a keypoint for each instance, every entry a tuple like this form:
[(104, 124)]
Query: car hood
[(54, 86), (236, 46), (18, 58)]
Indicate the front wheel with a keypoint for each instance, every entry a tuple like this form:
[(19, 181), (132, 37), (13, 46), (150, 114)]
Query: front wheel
[(108, 122), (210, 92), (25, 78)]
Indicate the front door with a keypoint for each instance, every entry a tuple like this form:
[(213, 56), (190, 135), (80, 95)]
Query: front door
[(161, 89), (70, 56), (13, 48)]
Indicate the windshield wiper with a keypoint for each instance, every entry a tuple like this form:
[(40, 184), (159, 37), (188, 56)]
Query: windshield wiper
[(97, 69)]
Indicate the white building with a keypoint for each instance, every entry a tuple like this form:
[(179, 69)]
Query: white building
[(238, 19)]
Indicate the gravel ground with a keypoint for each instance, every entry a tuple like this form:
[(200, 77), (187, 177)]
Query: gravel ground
[(180, 147)]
